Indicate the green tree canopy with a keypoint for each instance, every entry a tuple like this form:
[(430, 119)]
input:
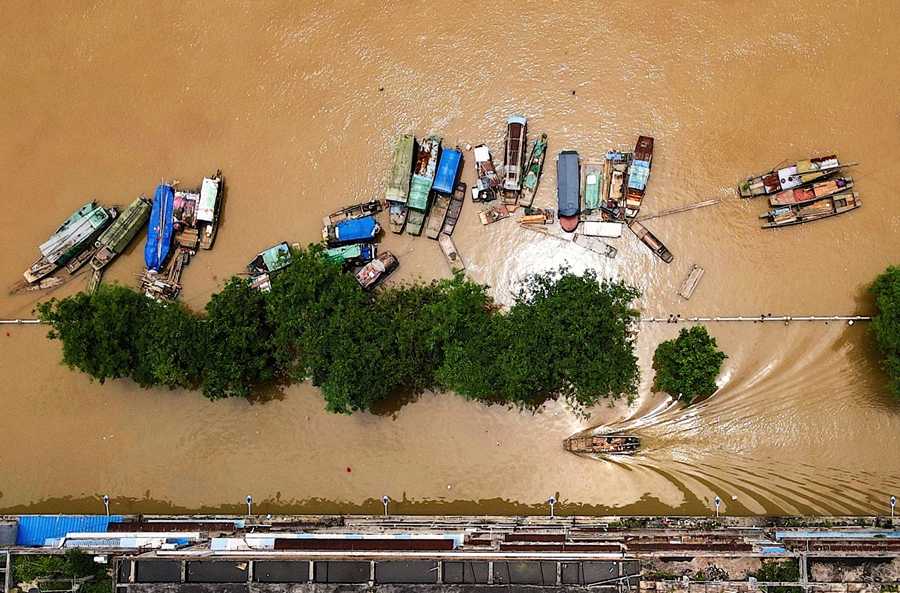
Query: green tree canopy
[(886, 324), (688, 366)]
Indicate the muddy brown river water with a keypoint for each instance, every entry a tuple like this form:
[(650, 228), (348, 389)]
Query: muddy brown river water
[(299, 104)]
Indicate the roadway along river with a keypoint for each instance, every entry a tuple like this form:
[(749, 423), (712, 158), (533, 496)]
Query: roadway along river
[(300, 103)]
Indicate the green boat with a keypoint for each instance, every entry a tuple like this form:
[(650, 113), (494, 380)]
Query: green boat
[(350, 255), (422, 180), (593, 179), (116, 238), (72, 236), (398, 185), (533, 172)]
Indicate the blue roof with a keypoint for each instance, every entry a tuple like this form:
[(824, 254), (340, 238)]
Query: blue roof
[(568, 182), (34, 530), (356, 229), (447, 171)]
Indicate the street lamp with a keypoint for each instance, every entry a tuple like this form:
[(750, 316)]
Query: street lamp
[(718, 502), (385, 500), (249, 502), (552, 502), (106, 504), (893, 502)]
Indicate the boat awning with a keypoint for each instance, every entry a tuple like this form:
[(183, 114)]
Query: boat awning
[(209, 191), (447, 171), (482, 153), (356, 229)]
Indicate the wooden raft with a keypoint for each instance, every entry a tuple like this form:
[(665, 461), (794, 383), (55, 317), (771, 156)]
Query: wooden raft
[(690, 283)]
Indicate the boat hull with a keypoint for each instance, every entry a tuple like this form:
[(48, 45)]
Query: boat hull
[(455, 208), (121, 232), (608, 444), (454, 260)]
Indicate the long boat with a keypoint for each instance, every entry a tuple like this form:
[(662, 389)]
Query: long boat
[(355, 230), (453, 211), (159, 233), (612, 192), (604, 444), (370, 208), (444, 184), (592, 180), (212, 191), (397, 192), (648, 239), (487, 182), (514, 161), (350, 255), (68, 240), (819, 190), (800, 173), (567, 190), (800, 213), (271, 260), (595, 245), (116, 238), (424, 171), (436, 217), (638, 175), (454, 260), (536, 157), (377, 270)]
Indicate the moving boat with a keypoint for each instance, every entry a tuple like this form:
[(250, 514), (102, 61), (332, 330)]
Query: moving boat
[(68, 240), (355, 230), (271, 260), (651, 241), (424, 171), (799, 195), (377, 270), (515, 158), (450, 253), (397, 192), (595, 245), (533, 173), (370, 208), (568, 190), (605, 444), (116, 238), (638, 175), (159, 234), (493, 215), (487, 182), (350, 255), (800, 213), (453, 211), (211, 195), (801, 173)]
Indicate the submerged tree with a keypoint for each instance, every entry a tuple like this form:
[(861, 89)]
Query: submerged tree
[(886, 324), (687, 367)]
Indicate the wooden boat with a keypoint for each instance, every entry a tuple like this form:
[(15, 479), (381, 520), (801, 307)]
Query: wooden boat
[(350, 255), (454, 260), (119, 234), (514, 160), (612, 191), (212, 193), (536, 157), (638, 175), (377, 270), (69, 239), (94, 281), (271, 260), (822, 189), (690, 283), (538, 216), (568, 190), (164, 285), (595, 245), (184, 212), (370, 208), (77, 262), (159, 234), (397, 192), (424, 171), (355, 230), (45, 284), (604, 444), (493, 215), (437, 215), (453, 211), (592, 181), (651, 241), (800, 213), (487, 182), (801, 173)]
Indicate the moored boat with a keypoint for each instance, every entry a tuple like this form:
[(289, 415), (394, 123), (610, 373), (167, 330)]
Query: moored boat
[(447, 171), (816, 191), (397, 192), (454, 260), (610, 230), (272, 259), (612, 191), (159, 233), (45, 284), (487, 182), (514, 160), (568, 190), (648, 239), (638, 175), (592, 180), (119, 234), (377, 270), (424, 171), (437, 215), (595, 245), (370, 208), (537, 216), (350, 255), (800, 213), (453, 211), (800, 173), (493, 215), (604, 444), (532, 177), (69, 239), (397, 213), (355, 230), (212, 191)]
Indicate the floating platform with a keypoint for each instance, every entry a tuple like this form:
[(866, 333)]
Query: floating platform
[(690, 283)]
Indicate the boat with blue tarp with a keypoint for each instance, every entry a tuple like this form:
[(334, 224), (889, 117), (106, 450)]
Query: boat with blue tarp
[(568, 189), (638, 175), (357, 230), (447, 171), (159, 234)]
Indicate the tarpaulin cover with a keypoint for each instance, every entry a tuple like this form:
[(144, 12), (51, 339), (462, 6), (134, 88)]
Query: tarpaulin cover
[(448, 169), (568, 183), (357, 229)]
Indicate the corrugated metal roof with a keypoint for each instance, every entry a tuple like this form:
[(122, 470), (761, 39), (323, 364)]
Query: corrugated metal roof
[(34, 530)]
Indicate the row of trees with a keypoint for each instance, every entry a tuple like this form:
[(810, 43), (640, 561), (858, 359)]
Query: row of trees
[(565, 336)]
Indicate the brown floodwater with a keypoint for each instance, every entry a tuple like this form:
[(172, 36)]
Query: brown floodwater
[(300, 103)]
